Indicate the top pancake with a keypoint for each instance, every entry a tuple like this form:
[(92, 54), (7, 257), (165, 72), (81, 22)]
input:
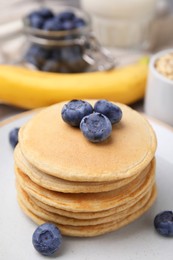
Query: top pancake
[(58, 149)]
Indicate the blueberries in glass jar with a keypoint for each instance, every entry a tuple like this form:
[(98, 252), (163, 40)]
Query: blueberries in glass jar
[(36, 21), (64, 69), (79, 22), (46, 13), (51, 66), (34, 49), (52, 25), (66, 16), (37, 55), (33, 14), (72, 58), (38, 18), (63, 25), (64, 59), (45, 19), (49, 25), (68, 25), (32, 60), (56, 54)]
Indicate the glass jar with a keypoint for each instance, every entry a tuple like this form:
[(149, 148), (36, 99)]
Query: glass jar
[(68, 51)]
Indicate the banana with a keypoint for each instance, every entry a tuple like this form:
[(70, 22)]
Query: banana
[(31, 89)]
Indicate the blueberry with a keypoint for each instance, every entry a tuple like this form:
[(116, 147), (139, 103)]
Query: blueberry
[(113, 112), (71, 53), (36, 21), (72, 58), (73, 112), (33, 14), (79, 22), (47, 239), (34, 50), (68, 25), (46, 13), (96, 127), (37, 55), (66, 16), (13, 137), (58, 19), (49, 25), (56, 54), (51, 66), (52, 25), (163, 223)]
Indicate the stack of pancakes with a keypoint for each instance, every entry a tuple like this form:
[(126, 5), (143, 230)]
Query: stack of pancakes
[(86, 189)]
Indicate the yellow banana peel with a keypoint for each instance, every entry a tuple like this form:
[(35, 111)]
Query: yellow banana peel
[(31, 89)]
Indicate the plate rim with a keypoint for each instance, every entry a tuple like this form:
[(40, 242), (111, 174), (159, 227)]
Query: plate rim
[(17, 116)]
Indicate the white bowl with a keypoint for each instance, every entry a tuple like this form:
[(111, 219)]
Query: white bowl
[(159, 92)]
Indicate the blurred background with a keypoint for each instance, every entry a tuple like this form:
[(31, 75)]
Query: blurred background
[(128, 32), (150, 22)]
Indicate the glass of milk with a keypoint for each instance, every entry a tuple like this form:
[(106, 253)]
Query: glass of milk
[(122, 23)]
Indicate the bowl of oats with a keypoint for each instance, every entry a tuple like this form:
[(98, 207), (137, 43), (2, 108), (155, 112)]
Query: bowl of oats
[(159, 91)]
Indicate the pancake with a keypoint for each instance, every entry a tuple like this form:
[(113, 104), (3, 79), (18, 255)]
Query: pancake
[(94, 230), (87, 215), (89, 202), (59, 219), (57, 149), (86, 189), (56, 184)]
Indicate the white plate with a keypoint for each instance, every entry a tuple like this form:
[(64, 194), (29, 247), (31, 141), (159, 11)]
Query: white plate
[(133, 242)]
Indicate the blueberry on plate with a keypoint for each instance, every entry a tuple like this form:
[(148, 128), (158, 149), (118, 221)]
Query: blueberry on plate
[(163, 223), (96, 127), (73, 112), (47, 239), (113, 112), (13, 137)]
